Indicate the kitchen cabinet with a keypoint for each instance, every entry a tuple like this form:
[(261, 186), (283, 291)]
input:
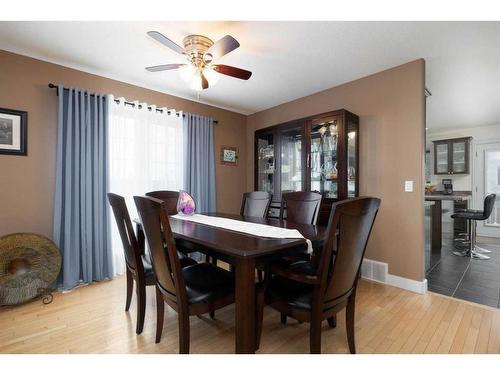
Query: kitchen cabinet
[(451, 156)]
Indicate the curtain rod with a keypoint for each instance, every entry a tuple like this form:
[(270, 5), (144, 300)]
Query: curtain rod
[(52, 86)]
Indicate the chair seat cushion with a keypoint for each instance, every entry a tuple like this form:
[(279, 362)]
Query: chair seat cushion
[(303, 267), (185, 260), (286, 261), (206, 283), (469, 214), (300, 254), (148, 268), (295, 294)]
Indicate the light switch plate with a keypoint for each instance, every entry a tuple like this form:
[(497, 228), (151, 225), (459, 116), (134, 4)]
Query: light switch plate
[(408, 186)]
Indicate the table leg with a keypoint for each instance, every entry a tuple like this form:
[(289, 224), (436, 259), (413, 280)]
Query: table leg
[(436, 226), (245, 306)]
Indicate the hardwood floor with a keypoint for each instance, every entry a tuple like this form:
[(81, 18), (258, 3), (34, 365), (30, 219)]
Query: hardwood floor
[(388, 320)]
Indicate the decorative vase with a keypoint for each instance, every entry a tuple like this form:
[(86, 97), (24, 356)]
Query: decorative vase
[(185, 204), (334, 171)]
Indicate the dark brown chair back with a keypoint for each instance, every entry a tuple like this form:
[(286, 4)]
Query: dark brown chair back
[(169, 197), (301, 207), (163, 252), (127, 234), (255, 204), (349, 228), (489, 203)]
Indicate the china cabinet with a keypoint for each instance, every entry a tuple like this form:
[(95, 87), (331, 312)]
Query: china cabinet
[(451, 156), (317, 153)]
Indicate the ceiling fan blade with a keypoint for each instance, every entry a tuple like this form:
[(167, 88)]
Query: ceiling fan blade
[(204, 82), (222, 47), (165, 41), (232, 71), (159, 68)]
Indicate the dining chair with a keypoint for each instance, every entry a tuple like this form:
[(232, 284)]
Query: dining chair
[(315, 290), (256, 204), (301, 207), (137, 263), (193, 290), (169, 197)]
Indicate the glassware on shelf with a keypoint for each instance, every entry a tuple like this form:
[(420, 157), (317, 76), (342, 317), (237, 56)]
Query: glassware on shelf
[(291, 159), (324, 158), (351, 173), (351, 161), (266, 152), (265, 162)]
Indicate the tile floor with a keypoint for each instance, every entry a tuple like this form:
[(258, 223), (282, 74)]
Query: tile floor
[(469, 279)]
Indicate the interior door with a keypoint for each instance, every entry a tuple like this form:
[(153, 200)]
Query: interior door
[(487, 181)]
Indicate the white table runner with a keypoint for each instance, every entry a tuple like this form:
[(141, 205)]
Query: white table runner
[(255, 229)]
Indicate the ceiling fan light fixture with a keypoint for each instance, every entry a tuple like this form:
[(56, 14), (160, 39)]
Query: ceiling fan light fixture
[(211, 75), (196, 83), (187, 73), (207, 58)]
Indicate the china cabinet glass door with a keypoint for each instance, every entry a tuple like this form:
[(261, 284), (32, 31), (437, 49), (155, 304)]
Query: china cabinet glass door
[(323, 158), (291, 143), (265, 162), (352, 159)]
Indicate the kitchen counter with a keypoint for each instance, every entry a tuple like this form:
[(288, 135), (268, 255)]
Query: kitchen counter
[(437, 198), (456, 196)]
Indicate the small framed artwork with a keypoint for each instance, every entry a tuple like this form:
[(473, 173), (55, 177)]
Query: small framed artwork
[(229, 155), (13, 132)]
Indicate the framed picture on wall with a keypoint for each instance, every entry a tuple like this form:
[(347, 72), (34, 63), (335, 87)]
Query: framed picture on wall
[(13, 132), (229, 155)]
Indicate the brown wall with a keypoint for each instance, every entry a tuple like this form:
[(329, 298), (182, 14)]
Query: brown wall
[(27, 182), (391, 107)]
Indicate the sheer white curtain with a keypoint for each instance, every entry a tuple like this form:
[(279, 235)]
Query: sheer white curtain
[(145, 154)]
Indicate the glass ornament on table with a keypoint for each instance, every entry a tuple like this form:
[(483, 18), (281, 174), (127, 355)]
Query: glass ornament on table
[(185, 204)]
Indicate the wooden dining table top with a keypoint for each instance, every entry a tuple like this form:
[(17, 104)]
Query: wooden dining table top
[(237, 244)]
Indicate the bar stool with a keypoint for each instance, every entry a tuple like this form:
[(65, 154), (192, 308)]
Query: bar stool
[(472, 217)]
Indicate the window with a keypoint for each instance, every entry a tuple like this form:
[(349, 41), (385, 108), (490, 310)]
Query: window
[(145, 154)]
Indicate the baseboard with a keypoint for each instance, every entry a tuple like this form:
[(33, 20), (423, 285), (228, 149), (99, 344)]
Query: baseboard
[(379, 272), (408, 284)]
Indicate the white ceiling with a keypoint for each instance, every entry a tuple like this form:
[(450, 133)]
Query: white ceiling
[(289, 60)]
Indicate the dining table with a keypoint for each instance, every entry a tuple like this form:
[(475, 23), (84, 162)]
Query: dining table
[(243, 252)]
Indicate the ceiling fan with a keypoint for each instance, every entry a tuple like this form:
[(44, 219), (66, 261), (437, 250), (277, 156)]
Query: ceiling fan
[(200, 52)]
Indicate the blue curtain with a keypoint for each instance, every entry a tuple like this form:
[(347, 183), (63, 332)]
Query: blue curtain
[(199, 158), (81, 217)]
